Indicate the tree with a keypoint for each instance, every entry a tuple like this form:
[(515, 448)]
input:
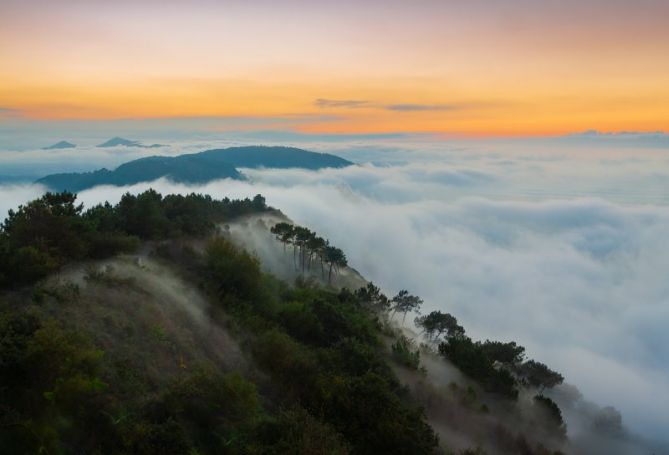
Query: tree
[(143, 215), (507, 353), (50, 223), (405, 352), (235, 273), (472, 359), (315, 246), (302, 237), (373, 297), (41, 236), (552, 411), (336, 258), (259, 204), (436, 324), (283, 232), (404, 303), (538, 375)]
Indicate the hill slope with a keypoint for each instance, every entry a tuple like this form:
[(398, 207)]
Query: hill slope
[(145, 328), (195, 168)]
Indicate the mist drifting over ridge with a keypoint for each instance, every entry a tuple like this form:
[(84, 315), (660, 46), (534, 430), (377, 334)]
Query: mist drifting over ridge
[(561, 251)]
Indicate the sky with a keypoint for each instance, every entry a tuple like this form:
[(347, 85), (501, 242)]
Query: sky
[(511, 165), (475, 68)]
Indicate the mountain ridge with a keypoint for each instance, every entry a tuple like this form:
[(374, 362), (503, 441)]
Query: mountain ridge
[(200, 167)]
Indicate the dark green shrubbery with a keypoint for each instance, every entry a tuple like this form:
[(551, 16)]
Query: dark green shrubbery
[(322, 349), (406, 353), (53, 230)]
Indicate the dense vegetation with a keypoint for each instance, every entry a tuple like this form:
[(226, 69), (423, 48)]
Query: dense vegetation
[(47, 233), (106, 366)]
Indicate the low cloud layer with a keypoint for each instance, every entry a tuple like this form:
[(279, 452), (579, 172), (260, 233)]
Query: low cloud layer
[(397, 107), (566, 255), (414, 107)]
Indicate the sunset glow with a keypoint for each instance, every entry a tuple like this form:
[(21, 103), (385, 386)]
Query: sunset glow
[(476, 68)]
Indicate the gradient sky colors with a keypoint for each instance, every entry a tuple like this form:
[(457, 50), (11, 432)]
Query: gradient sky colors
[(512, 67)]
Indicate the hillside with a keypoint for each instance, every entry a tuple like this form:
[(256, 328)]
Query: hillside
[(194, 168), (183, 324), (148, 327)]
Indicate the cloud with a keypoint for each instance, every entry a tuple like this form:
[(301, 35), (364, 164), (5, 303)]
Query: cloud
[(350, 104), (398, 107), (8, 112), (656, 139), (555, 250), (15, 194), (409, 107)]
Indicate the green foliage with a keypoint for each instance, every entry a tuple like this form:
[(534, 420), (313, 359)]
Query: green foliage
[(296, 431), (539, 375), (405, 352), (40, 237), (322, 350), (506, 353), (472, 358), (215, 410), (50, 378), (373, 298), (436, 324), (317, 378), (552, 411), (51, 231), (405, 303), (306, 246), (499, 367), (234, 272), (106, 244), (367, 411)]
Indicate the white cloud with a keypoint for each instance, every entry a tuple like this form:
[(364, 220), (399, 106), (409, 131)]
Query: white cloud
[(516, 247)]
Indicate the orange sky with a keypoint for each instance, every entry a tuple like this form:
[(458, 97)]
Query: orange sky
[(517, 67)]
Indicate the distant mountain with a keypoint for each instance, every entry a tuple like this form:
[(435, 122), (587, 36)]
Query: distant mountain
[(656, 139), (196, 167), (116, 141), (60, 145)]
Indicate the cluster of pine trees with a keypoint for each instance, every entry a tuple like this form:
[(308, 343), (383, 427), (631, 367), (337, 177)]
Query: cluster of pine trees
[(307, 246), (499, 367)]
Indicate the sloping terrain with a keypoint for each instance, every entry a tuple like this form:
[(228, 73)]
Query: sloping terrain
[(181, 324)]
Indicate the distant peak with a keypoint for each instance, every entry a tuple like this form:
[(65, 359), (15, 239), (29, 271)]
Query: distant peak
[(60, 145), (115, 141)]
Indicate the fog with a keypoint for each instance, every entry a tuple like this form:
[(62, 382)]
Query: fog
[(133, 304), (564, 250)]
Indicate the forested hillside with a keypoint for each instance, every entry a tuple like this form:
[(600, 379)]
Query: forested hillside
[(199, 167), (146, 327)]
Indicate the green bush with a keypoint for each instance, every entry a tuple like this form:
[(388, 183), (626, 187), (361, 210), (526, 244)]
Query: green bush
[(405, 352)]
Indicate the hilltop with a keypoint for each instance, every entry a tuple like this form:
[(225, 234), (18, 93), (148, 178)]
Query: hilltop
[(199, 167), (149, 327)]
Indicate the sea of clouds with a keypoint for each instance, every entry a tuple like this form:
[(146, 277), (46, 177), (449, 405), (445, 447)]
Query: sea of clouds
[(564, 250)]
